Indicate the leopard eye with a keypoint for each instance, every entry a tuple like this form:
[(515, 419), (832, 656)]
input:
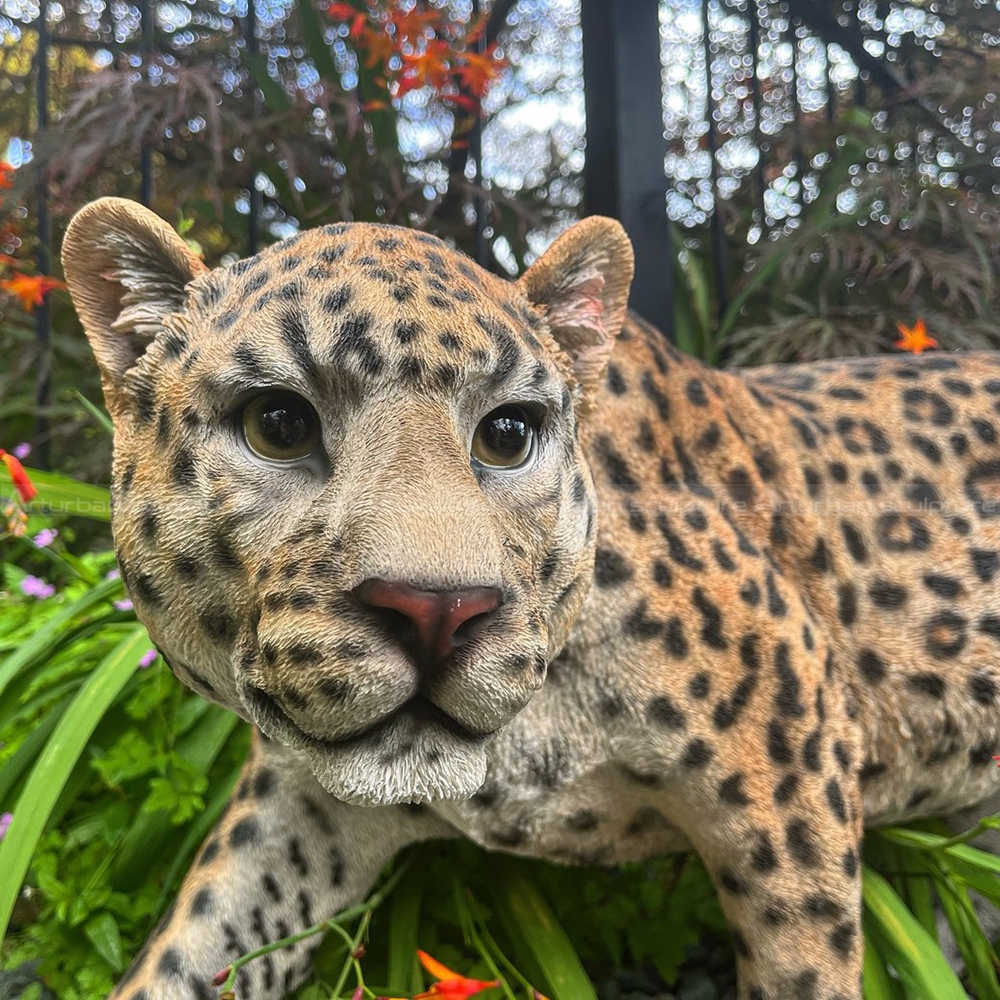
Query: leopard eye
[(504, 438), (280, 426)]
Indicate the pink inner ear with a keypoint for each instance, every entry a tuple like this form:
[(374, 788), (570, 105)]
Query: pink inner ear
[(580, 305)]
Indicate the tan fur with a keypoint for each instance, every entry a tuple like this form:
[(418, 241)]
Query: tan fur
[(741, 612)]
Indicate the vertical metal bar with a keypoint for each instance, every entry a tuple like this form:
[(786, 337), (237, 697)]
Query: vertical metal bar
[(860, 89), (146, 151), (256, 196), (623, 172), (760, 184), (797, 116), (831, 93), (43, 313), (476, 152), (719, 254)]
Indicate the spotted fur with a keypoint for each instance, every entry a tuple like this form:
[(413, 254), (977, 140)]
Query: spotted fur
[(745, 613)]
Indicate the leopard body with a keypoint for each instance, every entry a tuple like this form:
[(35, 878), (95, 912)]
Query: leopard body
[(745, 613)]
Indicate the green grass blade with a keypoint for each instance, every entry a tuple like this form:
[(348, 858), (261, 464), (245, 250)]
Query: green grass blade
[(25, 754), (878, 984), (533, 928), (405, 905), (100, 417), (905, 945), (51, 632), (56, 762), (62, 495), (976, 951)]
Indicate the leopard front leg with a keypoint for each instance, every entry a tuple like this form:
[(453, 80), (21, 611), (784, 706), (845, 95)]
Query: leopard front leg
[(774, 810), (284, 856)]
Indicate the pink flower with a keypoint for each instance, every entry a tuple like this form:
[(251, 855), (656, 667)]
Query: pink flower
[(21, 451), (45, 537), (5, 821), (32, 586), (112, 574), (147, 658), (124, 604)]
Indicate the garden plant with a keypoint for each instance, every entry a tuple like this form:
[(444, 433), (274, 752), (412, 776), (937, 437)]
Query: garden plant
[(112, 773)]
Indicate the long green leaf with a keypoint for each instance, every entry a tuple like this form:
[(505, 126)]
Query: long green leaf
[(51, 632), (57, 761), (62, 495), (976, 951), (533, 927), (404, 921), (878, 983), (312, 35), (906, 946), (274, 94), (23, 756)]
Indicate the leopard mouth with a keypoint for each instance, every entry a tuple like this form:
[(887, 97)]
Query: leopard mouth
[(418, 708), (417, 753)]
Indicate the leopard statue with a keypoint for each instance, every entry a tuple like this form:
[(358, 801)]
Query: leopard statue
[(493, 559)]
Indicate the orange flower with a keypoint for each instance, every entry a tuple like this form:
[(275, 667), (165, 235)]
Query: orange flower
[(478, 70), (341, 11), (6, 173), (450, 985), (24, 486), (30, 288), (914, 338)]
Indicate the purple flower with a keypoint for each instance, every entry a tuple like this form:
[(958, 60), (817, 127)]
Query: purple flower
[(147, 658), (45, 537), (21, 451), (112, 574), (124, 605), (32, 586), (5, 821)]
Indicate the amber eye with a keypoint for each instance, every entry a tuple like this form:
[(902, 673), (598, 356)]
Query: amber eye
[(504, 438), (280, 426)]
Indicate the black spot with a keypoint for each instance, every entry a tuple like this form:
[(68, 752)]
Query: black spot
[(728, 710), (676, 548), (887, 596), (988, 474), (732, 792), (854, 541), (663, 712), (872, 666), (985, 562), (697, 753), (985, 431), (775, 602), (182, 468), (656, 396), (983, 688), (778, 747), (926, 447), (750, 593), (820, 559), (787, 698), (785, 789), (203, 902), (814, 482), (662, 574), (842, 938), (888, 528), (802, 844), (740, 486), (749, 655), (711, 631), (946, 635), (695, 390), (763, 857), (219, 625), (929, 684), (610, 568), (615, 467), (676, 643), (731, 882), (835, 798), (943, 586), (171, 964)]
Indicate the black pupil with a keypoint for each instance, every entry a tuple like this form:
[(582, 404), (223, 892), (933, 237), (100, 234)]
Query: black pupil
[(285, 424), (506, 433)]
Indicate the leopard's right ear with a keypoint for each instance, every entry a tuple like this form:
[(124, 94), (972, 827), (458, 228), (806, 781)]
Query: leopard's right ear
[(126, 269)]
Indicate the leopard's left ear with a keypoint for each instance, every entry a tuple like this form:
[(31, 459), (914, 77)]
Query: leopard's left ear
[(126, 270), (581, 283)]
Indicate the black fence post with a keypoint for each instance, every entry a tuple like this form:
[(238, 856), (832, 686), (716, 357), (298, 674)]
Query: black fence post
[(624, 169), (256, 196), (719, 250), (43, 313), (146, 149)]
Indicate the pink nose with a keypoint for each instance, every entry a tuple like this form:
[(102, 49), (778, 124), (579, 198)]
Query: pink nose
[(430, 619)]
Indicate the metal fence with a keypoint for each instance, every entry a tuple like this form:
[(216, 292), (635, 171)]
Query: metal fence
[(690, 105)]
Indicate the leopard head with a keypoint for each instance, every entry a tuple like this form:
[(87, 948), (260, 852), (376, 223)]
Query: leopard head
[(350, 501)]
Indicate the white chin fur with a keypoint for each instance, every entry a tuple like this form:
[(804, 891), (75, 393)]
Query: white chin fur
[(407, 760)]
